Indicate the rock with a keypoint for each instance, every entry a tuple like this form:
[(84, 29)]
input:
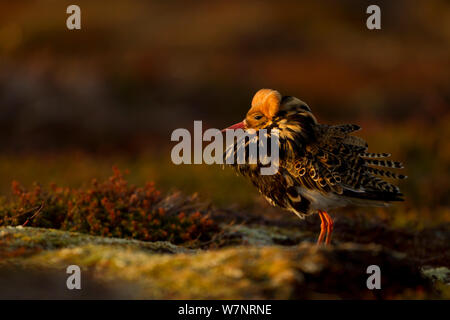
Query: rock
[(36, 239), (136, 269), (263, 235), (441, 274)]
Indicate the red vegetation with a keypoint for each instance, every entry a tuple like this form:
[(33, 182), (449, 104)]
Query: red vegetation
[(111, 208)]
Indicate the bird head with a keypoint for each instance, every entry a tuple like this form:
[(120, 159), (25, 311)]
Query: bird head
[(265, 105), (270, 110)]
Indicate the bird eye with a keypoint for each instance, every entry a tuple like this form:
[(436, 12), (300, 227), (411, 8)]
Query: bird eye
[(257, 117)]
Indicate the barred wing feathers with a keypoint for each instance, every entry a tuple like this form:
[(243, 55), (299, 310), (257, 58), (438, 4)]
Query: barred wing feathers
[(338, 162)]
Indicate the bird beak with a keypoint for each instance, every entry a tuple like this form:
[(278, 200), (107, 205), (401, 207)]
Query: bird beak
[(240, 125)]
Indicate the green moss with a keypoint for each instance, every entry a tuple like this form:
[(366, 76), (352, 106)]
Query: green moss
[(163, 271), (12, 238), (441, 274)]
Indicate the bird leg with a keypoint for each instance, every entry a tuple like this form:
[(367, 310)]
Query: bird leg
[(323, 227), (329, 226)]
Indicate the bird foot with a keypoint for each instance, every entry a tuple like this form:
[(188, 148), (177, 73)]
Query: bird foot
[(326, 228)]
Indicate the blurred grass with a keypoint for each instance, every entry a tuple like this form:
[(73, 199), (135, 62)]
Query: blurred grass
[(76, 169)]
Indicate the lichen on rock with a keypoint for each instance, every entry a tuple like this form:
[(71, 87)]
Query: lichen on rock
[(160, 270)]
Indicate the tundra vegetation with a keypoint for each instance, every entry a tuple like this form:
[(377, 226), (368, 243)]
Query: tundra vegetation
[(137, 239)]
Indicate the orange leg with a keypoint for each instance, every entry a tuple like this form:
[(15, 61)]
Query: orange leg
[(329, 226), (323, 227)]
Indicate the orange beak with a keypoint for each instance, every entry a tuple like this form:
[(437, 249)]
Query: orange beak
[(240, 125)]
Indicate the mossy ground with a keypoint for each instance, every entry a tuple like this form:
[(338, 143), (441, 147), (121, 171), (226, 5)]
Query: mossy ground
[(179, 247), (254, 267)]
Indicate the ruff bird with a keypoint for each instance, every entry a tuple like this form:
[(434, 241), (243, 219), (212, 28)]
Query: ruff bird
[(321, 167)]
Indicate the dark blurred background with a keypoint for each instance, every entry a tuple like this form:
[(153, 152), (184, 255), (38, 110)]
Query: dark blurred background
[(73, 103)]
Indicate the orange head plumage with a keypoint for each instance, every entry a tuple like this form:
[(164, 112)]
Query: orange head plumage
[(265, 105)]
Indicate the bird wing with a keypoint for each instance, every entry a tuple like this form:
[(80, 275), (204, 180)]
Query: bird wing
[(338, 162)]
